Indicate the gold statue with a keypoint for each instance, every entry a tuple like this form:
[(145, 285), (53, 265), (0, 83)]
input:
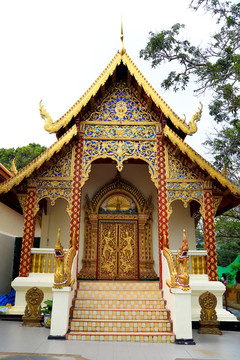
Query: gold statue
[(178, 269), (62, 276)]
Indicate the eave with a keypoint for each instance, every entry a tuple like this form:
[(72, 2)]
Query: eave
[(152, 98), (28, 170), (230, 190)]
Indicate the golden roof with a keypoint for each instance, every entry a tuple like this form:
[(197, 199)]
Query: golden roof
[(121, 57), (36, 163)]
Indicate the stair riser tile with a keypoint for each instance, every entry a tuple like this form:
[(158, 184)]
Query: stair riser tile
[(96, 294), (120, 315), (113, 304), (88, 285), (118, 327), (124, 338)]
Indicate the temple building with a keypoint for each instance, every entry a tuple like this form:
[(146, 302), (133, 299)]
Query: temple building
[(122, 185)]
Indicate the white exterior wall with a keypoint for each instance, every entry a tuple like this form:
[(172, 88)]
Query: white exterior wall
[(136, 174), (181, 219), (56, 217), (11, 226)]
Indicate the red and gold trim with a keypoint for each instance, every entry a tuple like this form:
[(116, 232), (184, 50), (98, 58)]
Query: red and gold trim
[(162, 196), (209, 236), (28, 233), (76, 191), (162, 201)]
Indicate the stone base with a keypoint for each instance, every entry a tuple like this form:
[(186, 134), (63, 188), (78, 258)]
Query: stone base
[(23, 284), (209, 327)]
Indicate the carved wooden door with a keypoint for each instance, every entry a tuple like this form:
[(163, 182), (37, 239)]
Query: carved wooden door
[(118, 250)]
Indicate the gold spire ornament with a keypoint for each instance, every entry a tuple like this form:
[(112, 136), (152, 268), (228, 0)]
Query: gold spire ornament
[(122, 51)]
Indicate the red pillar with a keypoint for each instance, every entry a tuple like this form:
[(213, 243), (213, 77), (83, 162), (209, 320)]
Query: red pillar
[(28, 233), (209, 236), (76, 197), (162, 200)]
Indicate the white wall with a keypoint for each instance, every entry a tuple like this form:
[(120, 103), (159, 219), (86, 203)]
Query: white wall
[(138, 175), (56, 217), (11, 226), (6, 263), (181, 219)]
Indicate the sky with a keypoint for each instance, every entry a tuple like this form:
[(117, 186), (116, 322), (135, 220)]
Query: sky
[(53, 50)]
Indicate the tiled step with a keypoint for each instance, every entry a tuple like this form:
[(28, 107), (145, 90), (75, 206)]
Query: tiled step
[(119, 304), (121, 314), (120, 311), (121, 325), (122, 336), (119, 294), (118, 285)]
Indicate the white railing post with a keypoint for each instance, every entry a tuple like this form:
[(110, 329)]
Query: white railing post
[(62, 302)]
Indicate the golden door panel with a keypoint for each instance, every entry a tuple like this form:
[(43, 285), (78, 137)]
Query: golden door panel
[(118, 251)]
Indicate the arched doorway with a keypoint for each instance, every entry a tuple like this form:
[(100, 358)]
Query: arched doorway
[(118, 234)]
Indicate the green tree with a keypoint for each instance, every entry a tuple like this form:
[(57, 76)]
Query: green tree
[(215, 67), (227, 230), (22, 155)]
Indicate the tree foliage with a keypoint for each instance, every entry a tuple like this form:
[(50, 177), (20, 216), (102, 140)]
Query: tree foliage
[(214, 67), (22, 155), (227, 230)]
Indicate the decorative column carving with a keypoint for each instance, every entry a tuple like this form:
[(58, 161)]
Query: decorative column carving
[(28, 233), (162, 200), (209, 234), (76, 192)]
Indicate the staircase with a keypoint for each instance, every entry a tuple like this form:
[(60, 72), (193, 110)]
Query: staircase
[(120, 311)]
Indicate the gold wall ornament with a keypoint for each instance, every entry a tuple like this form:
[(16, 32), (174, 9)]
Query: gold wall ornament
[(178, 268), (119, 151), (118, 202), (208, 323), (32, 314), (22, 198), (121, 104), (216, 202)]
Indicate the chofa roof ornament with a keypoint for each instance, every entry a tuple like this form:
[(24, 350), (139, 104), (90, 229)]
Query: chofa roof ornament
[(123, 50)]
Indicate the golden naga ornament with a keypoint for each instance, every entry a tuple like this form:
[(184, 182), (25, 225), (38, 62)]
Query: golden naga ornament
[(62, 276), (178, 268), (14, 169)]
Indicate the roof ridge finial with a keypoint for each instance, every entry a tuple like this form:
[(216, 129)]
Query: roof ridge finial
[(122, 51)]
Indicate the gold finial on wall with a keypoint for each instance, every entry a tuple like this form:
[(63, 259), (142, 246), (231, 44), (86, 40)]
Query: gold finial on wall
[(122, 51)]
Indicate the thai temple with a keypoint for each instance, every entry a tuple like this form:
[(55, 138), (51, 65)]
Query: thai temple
[(113, 200)]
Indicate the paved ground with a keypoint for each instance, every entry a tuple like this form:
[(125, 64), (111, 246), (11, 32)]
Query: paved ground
[(15, 338)]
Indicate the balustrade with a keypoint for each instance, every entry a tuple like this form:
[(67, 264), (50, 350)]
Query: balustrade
[(43, 260), (197, 262)]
